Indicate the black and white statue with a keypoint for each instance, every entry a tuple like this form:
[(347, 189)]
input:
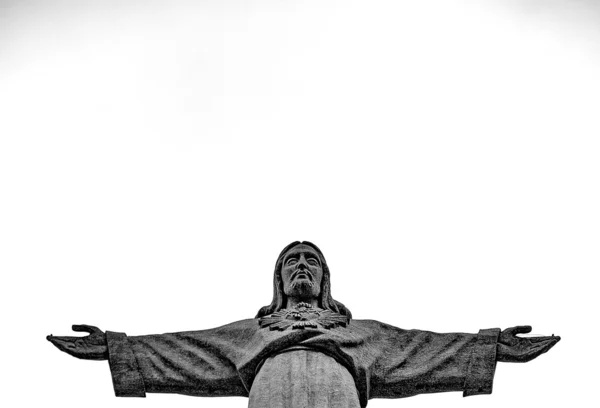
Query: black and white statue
[(304, 350)]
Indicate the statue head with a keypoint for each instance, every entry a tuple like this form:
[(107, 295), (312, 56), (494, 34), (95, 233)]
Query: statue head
[(301, 271)]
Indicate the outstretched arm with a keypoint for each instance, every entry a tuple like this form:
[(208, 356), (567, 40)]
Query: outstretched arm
[(200, 363), (413, 362), (417, 362)]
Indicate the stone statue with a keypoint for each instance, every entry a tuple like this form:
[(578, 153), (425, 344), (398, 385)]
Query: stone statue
[(304, 350)]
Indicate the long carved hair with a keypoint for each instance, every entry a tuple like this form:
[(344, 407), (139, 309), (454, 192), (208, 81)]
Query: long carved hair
[(280, 298)]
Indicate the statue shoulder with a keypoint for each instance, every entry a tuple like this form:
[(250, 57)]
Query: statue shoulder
[(237, 328), (240, 325), (375, 325)]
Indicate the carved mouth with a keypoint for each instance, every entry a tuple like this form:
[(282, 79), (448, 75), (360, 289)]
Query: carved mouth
[(303, 274)]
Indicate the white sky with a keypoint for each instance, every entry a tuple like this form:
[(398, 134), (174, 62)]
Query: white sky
[(155, 157)]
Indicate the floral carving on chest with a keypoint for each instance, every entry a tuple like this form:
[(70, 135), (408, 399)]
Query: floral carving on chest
[(303, 316)]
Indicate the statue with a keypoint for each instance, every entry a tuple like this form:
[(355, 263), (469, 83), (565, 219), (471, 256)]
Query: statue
[(304, 350)]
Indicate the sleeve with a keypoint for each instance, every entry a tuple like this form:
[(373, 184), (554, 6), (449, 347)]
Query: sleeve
[(415, 362), (201, 363)]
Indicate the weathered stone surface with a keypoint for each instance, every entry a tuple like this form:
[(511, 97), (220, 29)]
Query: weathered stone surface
[(303, 378)]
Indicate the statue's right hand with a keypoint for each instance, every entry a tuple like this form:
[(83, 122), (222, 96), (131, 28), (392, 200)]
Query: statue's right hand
[(92, 347)]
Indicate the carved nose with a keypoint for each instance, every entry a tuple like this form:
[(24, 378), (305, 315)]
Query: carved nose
[(302, 263)]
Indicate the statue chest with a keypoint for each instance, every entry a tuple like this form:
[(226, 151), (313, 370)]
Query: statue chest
[(299, 378)]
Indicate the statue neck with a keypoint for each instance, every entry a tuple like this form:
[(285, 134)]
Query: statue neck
[(293, 301)]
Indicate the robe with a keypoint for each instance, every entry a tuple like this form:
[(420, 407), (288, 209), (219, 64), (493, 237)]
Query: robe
[(339, 366)]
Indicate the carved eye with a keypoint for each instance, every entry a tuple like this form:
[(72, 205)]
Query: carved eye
[(291, 261), (313, 261)]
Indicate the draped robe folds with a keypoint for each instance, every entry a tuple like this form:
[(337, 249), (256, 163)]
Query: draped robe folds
[(366, 357)]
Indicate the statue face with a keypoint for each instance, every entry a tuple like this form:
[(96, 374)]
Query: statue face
[(302, 273)]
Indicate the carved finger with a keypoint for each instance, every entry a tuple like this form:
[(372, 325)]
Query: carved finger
[(519, 329), (543, 338), (85, 328)]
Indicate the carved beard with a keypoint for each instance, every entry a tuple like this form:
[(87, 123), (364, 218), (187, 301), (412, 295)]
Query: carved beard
[(302, 289)]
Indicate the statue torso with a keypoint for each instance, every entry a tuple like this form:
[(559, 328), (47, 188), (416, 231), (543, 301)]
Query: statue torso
[(299, 377)]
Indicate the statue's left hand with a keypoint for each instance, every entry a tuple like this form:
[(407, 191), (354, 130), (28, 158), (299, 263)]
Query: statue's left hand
[(91, 347), (522, 349)]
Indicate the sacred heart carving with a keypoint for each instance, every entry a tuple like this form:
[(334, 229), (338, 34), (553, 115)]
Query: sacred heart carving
[(303, 316)]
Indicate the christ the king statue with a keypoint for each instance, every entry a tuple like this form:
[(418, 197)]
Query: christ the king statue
[(304, 350)]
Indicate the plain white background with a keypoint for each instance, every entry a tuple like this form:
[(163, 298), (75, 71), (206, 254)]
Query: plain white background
[(156, 156)]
